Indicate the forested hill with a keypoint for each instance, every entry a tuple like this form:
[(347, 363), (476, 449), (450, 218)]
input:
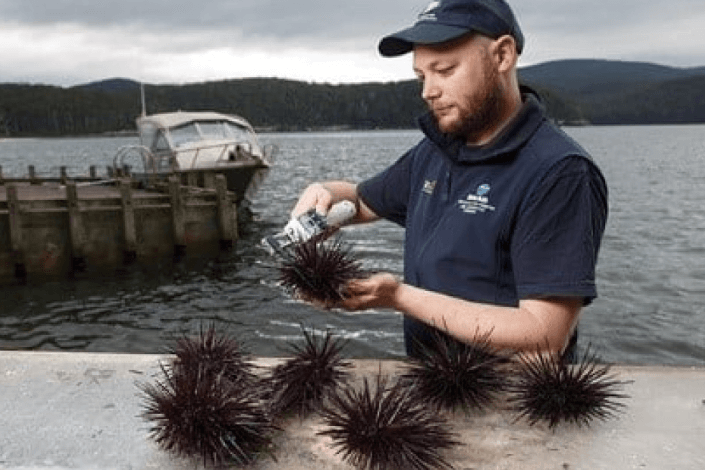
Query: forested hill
[(575, 92)]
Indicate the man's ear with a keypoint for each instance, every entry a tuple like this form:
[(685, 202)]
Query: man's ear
[(505, 53)]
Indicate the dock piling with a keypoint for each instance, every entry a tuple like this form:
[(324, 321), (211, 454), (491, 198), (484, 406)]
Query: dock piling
[(33, 175), (128, 219), (13, 207), (209, 180), (177, 215), (77, 236)]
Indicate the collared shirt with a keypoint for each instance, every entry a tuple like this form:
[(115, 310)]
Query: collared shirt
[(521, 217)]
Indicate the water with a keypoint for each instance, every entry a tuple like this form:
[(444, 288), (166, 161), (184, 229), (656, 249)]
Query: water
[(651, 276)]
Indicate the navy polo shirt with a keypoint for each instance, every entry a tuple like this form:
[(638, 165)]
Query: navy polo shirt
[(521, 217)]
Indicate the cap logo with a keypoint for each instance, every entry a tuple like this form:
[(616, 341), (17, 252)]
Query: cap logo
[(428, 14)]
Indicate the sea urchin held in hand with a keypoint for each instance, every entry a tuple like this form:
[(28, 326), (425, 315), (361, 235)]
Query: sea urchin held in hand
[(195, 413), (386, 428), (318, 270), (550, 389), (310, 376), (448, 373)]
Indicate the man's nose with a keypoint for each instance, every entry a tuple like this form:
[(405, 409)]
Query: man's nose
[(430, 89)]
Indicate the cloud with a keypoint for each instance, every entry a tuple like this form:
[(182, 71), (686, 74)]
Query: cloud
[(284, 19), (67, 54), (662, 32), (74, 41)]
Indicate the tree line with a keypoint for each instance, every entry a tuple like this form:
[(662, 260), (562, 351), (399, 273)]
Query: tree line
[(274, 104), (288, 105)]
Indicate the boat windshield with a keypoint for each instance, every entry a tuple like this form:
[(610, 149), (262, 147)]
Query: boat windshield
[(209, 130), (183, 135)]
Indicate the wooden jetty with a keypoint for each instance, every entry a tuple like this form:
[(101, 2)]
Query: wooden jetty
[(57, 226)]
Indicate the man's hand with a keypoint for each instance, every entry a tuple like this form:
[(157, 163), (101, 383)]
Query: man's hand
[(315, 196), (377, 291)]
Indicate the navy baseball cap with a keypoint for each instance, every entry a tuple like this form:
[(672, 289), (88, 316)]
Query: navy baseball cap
[(444, 20)]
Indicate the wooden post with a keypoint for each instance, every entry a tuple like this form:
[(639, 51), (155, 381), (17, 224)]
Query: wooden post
[(227, 224), (209, 180), (93, 172), (32, 175), (76, 231), (128, 220), (191, 179), (178, 215), (63, 175), (2, 178), (13, 210)]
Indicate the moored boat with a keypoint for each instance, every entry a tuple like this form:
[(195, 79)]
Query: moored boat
[(197, 145)]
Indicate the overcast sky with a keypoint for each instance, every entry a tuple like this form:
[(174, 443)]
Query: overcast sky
[(69, 42)]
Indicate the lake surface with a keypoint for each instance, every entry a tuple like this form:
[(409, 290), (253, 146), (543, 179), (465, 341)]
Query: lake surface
[(651, 273)]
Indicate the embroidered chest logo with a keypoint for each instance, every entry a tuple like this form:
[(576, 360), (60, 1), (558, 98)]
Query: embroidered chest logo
[(429, 186), (479, 202)]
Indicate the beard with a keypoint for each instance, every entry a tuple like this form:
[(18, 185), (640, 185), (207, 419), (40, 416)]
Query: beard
[(481, 112)]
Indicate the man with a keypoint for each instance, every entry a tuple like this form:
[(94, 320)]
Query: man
[(503, 212)]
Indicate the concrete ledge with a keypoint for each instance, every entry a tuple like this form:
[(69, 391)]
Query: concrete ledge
[(81, 411)]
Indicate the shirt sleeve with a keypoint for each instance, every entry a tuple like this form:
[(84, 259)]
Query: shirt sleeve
[(558, 234), (387, 193)]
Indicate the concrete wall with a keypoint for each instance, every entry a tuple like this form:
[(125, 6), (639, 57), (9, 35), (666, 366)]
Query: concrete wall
[(81, 411)]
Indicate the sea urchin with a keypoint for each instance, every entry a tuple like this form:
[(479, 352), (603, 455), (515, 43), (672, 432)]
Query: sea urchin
[(550, 389), (386, 427), (195, 413), (207, 404), (318, 270), (312, 374), (448, 373), (213, 353)]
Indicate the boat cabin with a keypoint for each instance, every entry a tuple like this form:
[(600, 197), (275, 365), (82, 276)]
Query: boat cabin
[(197, 140)]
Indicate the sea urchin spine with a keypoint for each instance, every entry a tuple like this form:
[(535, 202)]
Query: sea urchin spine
[(206, 405), (449, 374), (550, 389), (198, 414), (213, 353), (386, 427), (310, 376), (318, 270)]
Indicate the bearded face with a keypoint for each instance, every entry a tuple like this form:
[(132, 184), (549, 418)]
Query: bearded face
[(478, 110), (462, 88)]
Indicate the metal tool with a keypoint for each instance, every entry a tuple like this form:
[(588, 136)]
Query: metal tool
[(306, 226)]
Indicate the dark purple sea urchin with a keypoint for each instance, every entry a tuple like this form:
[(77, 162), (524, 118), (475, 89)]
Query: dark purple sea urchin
[(213, 353), (319, 269), (449, 374), (197, 414), (206, 405), (550, 389), (386, 427), (311, 375)]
